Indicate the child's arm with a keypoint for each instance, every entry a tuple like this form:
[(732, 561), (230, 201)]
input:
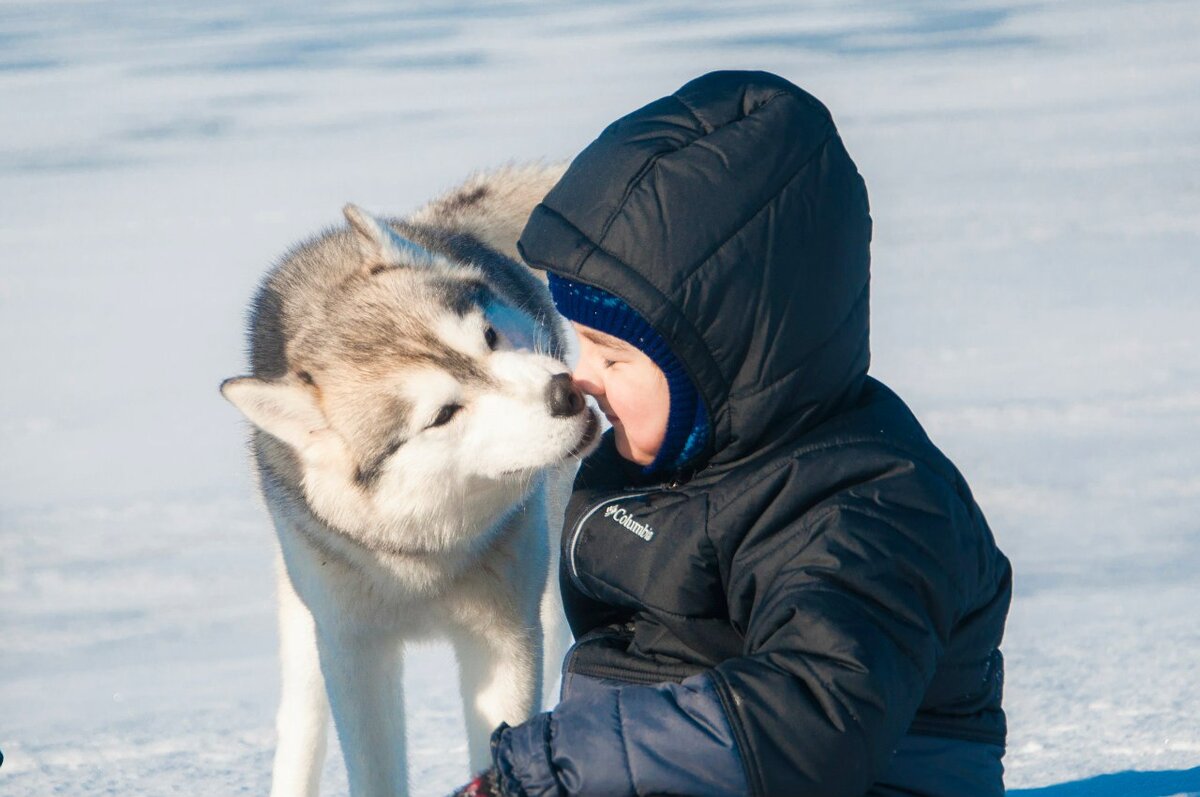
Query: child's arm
[(846, 639), (845, 631)]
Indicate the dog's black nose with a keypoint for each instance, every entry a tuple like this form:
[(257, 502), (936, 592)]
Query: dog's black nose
[(562, 397)]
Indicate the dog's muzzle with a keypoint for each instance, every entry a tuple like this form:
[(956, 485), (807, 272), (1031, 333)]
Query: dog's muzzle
[(590, 432)]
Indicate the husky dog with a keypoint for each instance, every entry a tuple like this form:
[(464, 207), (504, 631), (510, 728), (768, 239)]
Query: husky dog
[(415, 428)]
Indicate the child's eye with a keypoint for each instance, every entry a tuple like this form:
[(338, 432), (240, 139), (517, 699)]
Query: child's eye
[(609, 363)]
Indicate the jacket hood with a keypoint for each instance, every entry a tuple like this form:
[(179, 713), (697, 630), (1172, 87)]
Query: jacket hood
[(730, 216)]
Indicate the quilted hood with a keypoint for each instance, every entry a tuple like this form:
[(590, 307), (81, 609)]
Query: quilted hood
[(731, 217)]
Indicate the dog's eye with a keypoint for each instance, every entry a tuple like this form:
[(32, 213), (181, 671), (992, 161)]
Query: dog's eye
[(491, 338), (445, 414)]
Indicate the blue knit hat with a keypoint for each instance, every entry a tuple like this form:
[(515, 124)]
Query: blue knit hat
[(687, 420)]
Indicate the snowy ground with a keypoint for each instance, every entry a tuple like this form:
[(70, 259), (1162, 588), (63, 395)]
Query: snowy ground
[(1035, 180)]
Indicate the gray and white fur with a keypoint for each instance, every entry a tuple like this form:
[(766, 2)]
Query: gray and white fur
[(415, 434)]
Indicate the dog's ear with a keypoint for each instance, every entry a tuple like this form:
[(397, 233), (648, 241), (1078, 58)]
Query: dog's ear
[(380, 245), (283, 408)]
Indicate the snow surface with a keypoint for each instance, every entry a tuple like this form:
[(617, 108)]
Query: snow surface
[(1035, 178)]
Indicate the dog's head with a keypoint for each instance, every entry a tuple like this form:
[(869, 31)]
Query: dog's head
[(419, 401)]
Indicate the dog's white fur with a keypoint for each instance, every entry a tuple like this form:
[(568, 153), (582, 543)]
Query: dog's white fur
[(395, 523)]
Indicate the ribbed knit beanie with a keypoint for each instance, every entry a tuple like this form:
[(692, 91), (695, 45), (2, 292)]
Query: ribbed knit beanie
[(687, 420)]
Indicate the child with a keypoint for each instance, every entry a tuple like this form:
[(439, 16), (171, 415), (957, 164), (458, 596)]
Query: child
[(778, 585)]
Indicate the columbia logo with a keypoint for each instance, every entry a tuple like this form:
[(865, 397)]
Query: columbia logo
[(618, 515)]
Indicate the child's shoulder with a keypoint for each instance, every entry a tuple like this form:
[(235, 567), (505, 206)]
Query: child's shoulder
[(880, 423), (877, 440)]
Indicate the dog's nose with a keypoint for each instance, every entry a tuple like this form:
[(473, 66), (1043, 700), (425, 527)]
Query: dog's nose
[(562, 396)]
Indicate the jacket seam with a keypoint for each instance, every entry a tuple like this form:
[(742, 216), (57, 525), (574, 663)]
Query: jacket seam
[(625, 744), (740, 737), (813, 448), (709, 130), (652, 161), (793, 456), (723, 571), (920, 727), (612, 218), (545, 266), (831, 689), (863, 295), (640, 602), (703, 126), (829, 590), (819, 515), (699, 265), (862, 510)]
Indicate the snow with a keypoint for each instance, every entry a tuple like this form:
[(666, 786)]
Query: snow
[(1034, 171)]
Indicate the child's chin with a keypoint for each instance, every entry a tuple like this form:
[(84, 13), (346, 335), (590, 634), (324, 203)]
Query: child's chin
[(626, 450)]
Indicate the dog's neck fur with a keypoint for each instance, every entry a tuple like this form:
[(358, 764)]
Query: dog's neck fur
[(442, 524)]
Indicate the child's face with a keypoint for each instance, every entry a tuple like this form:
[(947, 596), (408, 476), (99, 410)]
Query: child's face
[(630, 389)]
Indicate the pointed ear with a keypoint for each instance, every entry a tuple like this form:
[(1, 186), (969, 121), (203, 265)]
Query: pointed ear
[(282, 408), (380, 245)]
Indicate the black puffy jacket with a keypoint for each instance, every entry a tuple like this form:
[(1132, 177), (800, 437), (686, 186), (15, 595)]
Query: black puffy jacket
[(817, 608)]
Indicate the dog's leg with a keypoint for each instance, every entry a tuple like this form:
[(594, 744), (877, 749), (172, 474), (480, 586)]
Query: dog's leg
[(500, 670), (556, 634), (363, 674), (303, 718)]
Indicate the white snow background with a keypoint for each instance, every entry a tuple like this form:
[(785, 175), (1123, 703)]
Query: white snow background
[(1034, 170)]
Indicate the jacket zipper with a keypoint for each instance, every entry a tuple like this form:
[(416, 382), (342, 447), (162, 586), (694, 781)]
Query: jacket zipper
[(623, 675), (578, 530)]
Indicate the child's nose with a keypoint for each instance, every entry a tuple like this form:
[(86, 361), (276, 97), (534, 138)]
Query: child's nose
[(583, 381)]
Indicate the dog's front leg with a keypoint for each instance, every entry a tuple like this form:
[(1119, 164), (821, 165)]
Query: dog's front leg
[(556, 637), (556, 633), (363, 675), (303, 717), (500, 673)]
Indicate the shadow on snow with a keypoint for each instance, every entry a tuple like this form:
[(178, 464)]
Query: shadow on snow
[(1122, 784)]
